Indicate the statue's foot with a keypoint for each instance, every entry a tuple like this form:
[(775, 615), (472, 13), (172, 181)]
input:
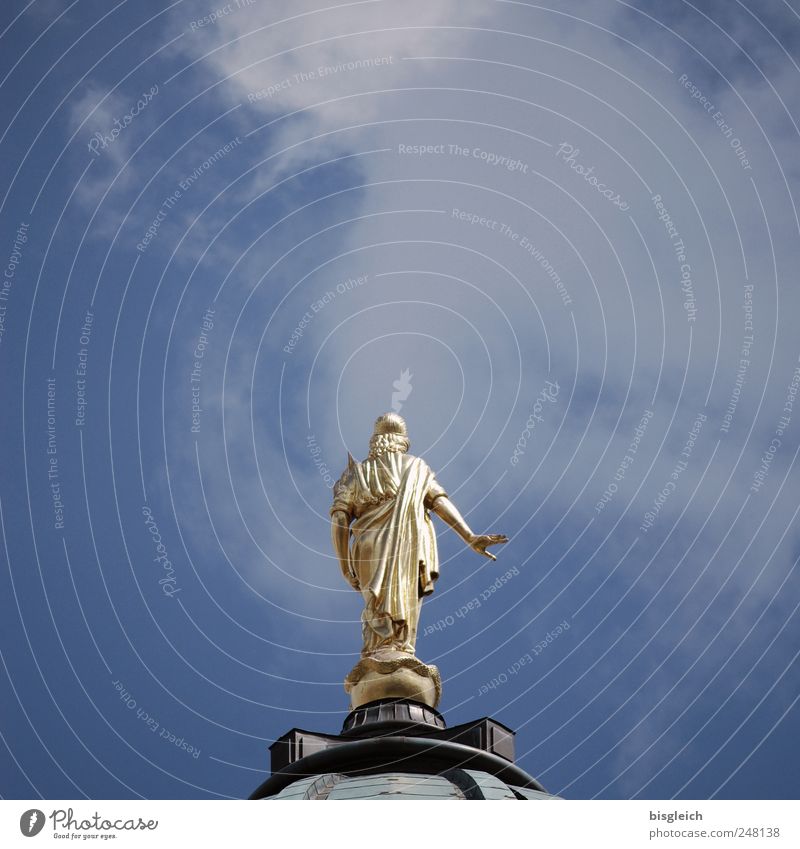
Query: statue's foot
[(388, 651)]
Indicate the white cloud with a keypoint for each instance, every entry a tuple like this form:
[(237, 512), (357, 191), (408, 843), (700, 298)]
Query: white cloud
[(474, 314)]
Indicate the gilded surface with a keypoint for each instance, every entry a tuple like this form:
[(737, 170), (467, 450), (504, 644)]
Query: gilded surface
[(385, 540)]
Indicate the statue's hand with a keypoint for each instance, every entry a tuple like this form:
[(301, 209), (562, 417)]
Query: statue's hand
[(480, 542)]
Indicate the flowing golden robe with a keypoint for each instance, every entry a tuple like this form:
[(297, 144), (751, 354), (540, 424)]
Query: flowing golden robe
[(393, 552)]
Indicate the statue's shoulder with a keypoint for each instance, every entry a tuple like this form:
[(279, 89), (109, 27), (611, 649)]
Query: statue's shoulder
[(408, 459), (346, 479), (422, 466)]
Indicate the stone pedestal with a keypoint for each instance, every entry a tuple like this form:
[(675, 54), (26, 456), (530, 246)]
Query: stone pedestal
[(393, 674)]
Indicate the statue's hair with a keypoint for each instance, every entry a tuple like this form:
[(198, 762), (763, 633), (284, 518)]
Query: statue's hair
[(386, 443)]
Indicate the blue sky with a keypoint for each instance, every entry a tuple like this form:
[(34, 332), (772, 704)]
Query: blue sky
[(228, 230)]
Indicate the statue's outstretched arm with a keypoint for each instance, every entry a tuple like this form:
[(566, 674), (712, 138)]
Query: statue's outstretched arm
[(340, 535), (444, 508)]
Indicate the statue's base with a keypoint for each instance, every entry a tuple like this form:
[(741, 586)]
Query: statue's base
[(391, 674), (399, 749)]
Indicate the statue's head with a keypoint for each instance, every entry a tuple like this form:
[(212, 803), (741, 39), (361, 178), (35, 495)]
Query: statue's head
[(389, 434)]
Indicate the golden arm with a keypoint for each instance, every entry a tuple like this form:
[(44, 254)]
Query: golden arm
[(444, 508), (340, 536)]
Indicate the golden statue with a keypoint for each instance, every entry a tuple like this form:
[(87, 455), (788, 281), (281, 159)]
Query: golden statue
[(386, 545)]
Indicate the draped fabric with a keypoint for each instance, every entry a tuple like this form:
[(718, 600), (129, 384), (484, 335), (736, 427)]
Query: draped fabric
[(393, 545)]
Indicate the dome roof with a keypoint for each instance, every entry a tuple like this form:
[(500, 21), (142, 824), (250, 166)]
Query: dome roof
[(453, 784), (399, 749)]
